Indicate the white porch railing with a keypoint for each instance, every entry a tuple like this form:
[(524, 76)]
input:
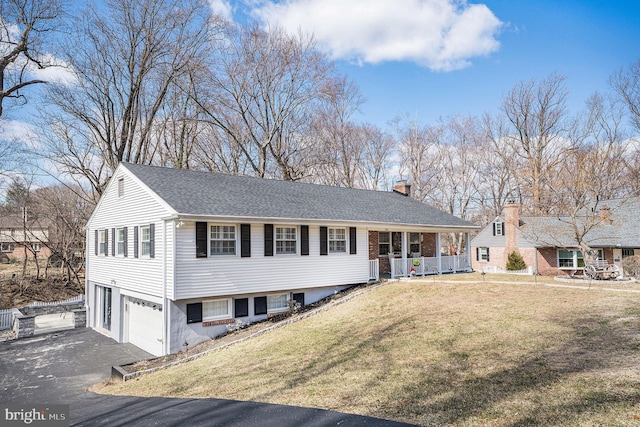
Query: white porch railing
[(423, 266), (374, 269)]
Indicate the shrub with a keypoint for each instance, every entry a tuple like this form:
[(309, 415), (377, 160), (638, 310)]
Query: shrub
[(515, 262), (631, 266)]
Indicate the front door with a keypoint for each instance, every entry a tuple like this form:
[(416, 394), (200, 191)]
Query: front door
[(617, 260)]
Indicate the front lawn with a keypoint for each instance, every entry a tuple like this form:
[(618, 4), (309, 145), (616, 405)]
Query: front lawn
[(439, 353)]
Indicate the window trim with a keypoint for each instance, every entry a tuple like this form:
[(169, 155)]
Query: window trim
[(143, 241), (499, 228), (281, 309), (229, 314), (10, 247), (210, 240), (118, 242), (331, 240), (276, 240), (102, 242)]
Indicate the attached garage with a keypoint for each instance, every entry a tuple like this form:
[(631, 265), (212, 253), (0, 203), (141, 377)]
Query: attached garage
[(144, 325)]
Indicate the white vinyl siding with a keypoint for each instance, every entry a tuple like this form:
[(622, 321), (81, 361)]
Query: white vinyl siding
[(137, 209), (222, 276)]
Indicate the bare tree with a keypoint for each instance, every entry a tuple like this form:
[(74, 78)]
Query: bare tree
[(265, 85), (26, 28), (127, 55), (626, 82), (535, 129)]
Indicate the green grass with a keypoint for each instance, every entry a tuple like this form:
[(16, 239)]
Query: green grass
[(440, 353)]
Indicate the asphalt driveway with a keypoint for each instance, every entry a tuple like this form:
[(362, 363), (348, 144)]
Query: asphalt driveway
[(57, 368)]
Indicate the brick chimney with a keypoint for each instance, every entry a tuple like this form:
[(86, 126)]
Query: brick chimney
[(402, 187), (605, 214), (511, 224)]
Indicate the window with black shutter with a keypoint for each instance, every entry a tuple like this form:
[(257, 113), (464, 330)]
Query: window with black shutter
[(259, 305), (241, 307), (245, 240), (268, 240), (194, 312), (352, 241), (97, 242), (126, 242), (113, 242), (201, 239), (304, 240), (324, 241)]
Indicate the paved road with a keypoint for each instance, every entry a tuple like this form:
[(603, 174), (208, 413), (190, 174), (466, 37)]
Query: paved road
[(59, 367)]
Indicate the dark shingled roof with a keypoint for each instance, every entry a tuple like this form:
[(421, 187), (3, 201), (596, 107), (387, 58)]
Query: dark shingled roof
[(198, 193), (623, 229)]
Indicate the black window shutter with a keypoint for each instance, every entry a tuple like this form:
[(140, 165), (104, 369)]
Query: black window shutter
[(487, 254), (494, 228), (299, 298), (503, 229), (352, 241), (152, 240), (113, 242), (135, 242), (241, 307), (201, 239), (304, 240), (194, 312), (245, 241), (477, 254), (97, 242), (126, 242), (324, 241), (259, 305), (268, 240), (106, 242)]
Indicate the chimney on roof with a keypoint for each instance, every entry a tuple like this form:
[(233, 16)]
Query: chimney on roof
[(605, 214), (511, 224), (402, 187)]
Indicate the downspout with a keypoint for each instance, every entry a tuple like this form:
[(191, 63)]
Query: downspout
[(88, 321), (165, 308)]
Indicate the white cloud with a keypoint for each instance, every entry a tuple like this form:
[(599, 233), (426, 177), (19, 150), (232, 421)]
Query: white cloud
[(222, 8), (439, 34)]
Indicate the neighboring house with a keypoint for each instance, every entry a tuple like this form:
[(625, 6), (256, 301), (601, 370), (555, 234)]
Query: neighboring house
[(173, 256), (549, 245), (20, 238)]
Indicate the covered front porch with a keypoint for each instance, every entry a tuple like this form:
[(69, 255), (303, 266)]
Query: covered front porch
[(397, 254)]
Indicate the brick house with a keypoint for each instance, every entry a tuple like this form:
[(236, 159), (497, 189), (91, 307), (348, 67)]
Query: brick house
[(548, 244), (20, 238)]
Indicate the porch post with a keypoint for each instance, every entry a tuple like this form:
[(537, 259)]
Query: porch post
[(438, 255), (404, 254), (467, 249)]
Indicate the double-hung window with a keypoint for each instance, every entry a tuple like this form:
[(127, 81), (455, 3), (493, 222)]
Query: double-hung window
[(102, 242), (337, 240), (483, 254), (145, 240), (223, 240), (414, 243), (627, 253), (286, 240), (277, 303), (570, 258), (6, 247), (120, 237), (216, 309)]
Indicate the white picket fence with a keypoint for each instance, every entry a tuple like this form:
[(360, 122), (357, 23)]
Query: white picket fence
[(6, 316)]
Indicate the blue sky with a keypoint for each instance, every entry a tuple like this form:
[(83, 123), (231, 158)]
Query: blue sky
[(498, 43)]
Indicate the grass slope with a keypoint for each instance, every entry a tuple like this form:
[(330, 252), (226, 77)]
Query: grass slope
[(439, 354)]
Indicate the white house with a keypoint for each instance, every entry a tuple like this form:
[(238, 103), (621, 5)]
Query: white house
[(175, 255)]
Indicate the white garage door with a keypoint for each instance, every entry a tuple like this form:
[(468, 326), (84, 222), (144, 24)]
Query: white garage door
[(145, 325)]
